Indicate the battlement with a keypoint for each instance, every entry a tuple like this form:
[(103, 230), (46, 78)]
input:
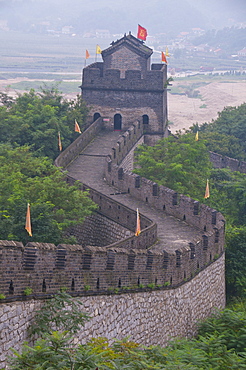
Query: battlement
[(222, 161), (128, 262), (94, 77), (73, 150), (126, 81), (158, 196), (190, 276), (46, 268)]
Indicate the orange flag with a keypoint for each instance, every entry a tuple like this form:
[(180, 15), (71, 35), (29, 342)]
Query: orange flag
[(28, 226), (142, 33), (77, 128), (207, 194), (163, 57), (138, 228), (59, 141), (87, 55)]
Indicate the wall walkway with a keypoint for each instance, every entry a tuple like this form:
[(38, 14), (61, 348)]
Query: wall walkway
[(180, 252)]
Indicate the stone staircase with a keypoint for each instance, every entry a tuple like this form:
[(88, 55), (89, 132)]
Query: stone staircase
[(88, 168)]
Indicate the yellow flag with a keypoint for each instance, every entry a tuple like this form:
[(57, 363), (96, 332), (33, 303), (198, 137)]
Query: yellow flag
[(207, 194), (59, 141), (98, 50), (167, 54), (76, 127), (138, 229), (196, 138), (28, 226)]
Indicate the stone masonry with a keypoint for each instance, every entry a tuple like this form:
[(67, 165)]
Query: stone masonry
[(148, 317), (127, 87), (152, 287)]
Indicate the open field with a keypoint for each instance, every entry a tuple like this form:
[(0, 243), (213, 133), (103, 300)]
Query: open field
[(69, 86), (213, 96)]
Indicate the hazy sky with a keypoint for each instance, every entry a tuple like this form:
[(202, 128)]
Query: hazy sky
[(120, 16)]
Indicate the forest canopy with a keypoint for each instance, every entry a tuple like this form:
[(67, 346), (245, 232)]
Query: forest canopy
[(55, 206), (227, 134), (29, 127), (35, 118), (182, 163)]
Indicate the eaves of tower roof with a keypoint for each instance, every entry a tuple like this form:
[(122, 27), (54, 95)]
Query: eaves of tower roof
[(131, 43)]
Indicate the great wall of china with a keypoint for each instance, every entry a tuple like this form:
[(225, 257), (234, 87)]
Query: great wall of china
[(151, 287)]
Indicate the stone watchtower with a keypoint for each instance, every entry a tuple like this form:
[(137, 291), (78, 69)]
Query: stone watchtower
[(125, 87)]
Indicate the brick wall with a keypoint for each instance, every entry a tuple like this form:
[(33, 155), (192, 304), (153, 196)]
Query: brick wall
[(106, 91), (221, 161), (147, 317), (196, 271), (61, 265)]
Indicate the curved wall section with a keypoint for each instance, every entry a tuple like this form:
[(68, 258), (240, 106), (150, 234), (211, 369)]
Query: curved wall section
[(149, 317), (222, 161), (188, 283)]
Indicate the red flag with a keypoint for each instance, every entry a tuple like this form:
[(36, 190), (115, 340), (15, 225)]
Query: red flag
[(163, 57), (28, 226), (77, 128), (138, 228), (142, 33), (87, 55)]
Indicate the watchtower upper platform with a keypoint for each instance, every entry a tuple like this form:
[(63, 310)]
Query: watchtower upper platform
[(128, 53), (126, 86)]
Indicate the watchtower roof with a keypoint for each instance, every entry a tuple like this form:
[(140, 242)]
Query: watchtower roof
[(130, 42)]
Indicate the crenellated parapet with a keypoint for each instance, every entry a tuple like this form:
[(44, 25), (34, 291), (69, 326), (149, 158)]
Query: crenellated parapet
[(150, 287), (160, 197), (128, 261), (126, 86), (111, 80), (222, 161), (45, 268)]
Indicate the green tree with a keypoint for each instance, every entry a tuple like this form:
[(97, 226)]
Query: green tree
[(236, 262), (227, 134), (182, 164), (179, 163), (220, 344), (55, 206), (34, 119)]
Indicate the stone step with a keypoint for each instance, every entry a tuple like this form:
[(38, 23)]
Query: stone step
[(88, 168)]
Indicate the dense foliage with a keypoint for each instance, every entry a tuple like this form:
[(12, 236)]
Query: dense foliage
[(227, 134), (220, 344), (177, 162), (180, 163), (29, 127), (35, 118), (55, 205)]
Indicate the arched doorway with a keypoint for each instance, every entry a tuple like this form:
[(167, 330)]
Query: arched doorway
[(145, 119), (96, 116), (117, 122)]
